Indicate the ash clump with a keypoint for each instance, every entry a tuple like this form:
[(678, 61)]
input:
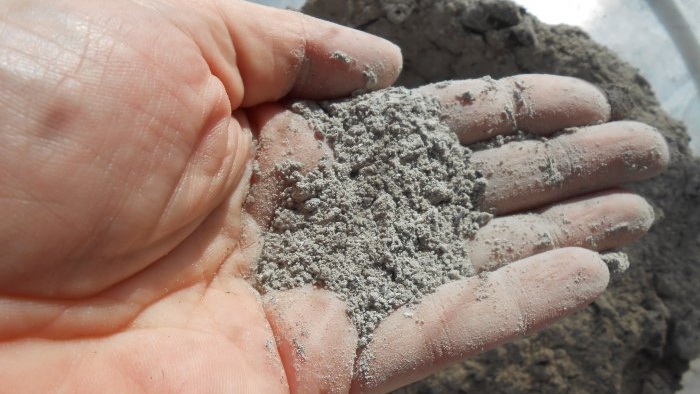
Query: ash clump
[(384, 221)]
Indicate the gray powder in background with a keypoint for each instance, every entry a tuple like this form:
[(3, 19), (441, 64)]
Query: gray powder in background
[(383, 222), (617, 262)]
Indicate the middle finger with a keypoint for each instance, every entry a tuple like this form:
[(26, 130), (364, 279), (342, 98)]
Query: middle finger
[(529, 174)]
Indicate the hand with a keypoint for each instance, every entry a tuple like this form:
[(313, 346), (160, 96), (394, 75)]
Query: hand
[(551, 198), (127, 141)]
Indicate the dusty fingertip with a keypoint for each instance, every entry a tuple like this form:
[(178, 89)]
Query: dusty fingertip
[(659, 151), (644, 212), (393, 64), (584, 101), (633, 217), (602, 104), (656, 156), (383, 66), (593, 100), (590, 273), (339, 61)]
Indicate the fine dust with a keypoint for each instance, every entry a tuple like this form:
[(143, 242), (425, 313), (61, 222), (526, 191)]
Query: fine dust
[(385, 220), (342, 57), (617, 262)]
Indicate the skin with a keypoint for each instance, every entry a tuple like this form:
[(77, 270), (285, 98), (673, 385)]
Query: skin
[(127, 141)]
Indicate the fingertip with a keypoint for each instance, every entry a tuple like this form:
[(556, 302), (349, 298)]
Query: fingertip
[(586, 267), (638, 209), (392, 65), (658, 152), (609, 220), (340, 61), (556, 283), (589, 272), (643, 149), (553, 102)]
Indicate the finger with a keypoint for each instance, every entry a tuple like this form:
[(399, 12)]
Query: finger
[(283, 138), (315, 339), (470, 316), (527, 174), (479, 109), (600, 222), (282, 52)]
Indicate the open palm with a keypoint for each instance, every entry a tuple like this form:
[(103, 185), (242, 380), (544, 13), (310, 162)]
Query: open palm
[(131, 222)]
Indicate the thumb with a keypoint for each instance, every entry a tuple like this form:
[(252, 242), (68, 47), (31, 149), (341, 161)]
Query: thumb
[(271, 53)]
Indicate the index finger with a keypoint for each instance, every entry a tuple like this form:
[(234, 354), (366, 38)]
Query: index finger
[(480, 109)]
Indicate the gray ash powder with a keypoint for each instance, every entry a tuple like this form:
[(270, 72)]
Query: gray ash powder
[(385, 221)]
